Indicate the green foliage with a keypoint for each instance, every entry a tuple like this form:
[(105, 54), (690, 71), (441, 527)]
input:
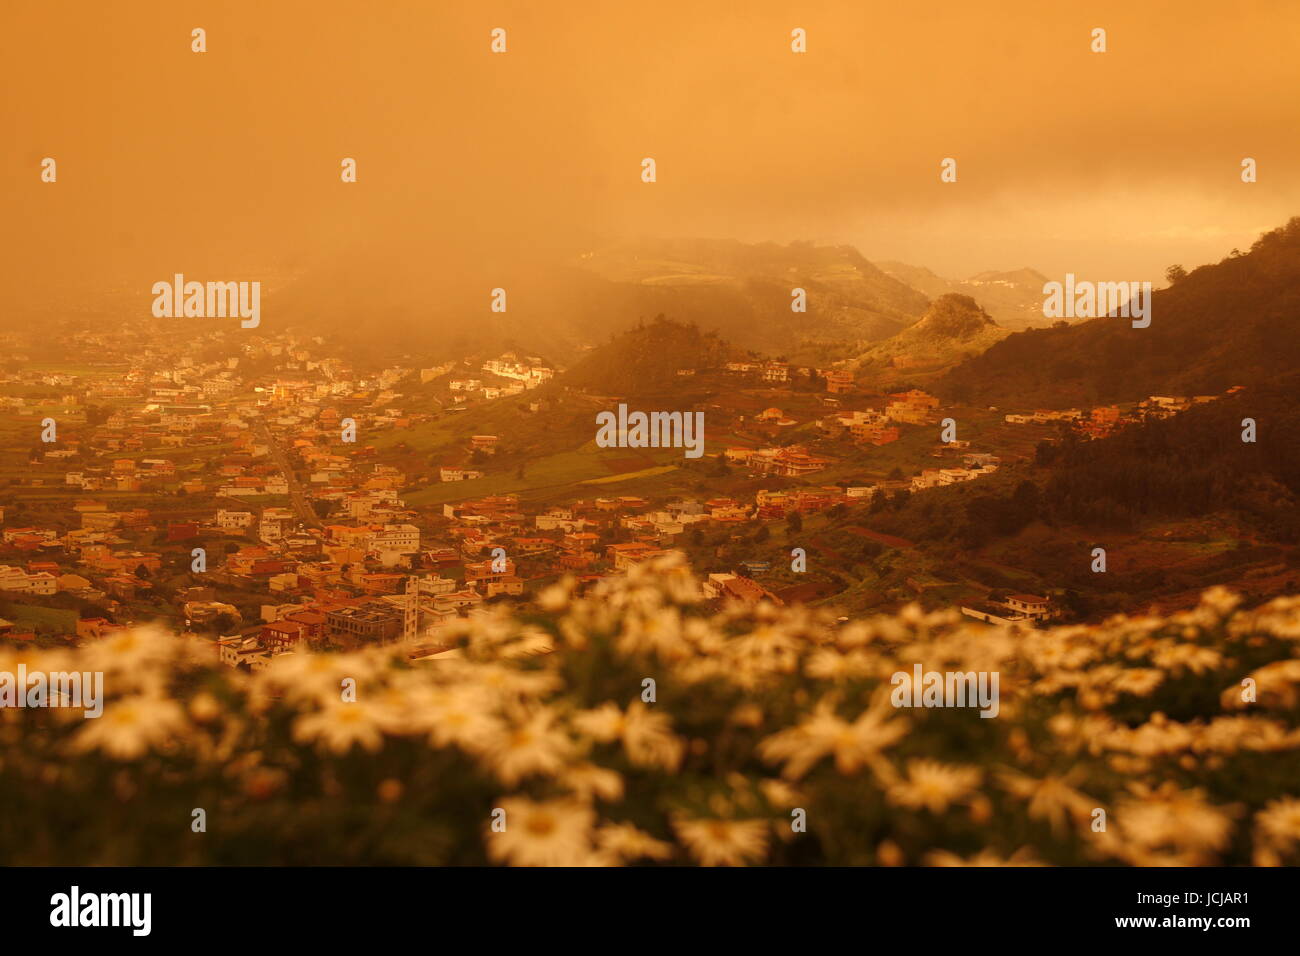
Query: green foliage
[(756, 713), (1191, 464), (1232, 323)]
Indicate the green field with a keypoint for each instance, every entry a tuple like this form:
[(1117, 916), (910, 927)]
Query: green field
[(643, 473), (42, 620), (553, 476)]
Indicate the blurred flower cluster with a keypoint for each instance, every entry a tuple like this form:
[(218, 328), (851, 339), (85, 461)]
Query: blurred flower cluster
[(633, 725)]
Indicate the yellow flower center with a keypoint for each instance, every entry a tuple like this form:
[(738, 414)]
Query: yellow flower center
[(540, 824)]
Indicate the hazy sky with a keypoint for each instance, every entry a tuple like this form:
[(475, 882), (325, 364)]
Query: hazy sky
[(226, 164)]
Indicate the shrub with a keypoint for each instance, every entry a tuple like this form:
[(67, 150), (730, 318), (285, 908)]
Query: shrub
[(548, 724)]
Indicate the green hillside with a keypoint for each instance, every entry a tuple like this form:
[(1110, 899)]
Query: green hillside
[(1234, 322), (953, 328)]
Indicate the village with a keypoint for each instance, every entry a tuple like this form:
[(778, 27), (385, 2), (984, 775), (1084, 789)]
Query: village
[(221, 496)]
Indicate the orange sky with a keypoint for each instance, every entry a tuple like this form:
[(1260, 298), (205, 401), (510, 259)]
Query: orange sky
[(226, 164)]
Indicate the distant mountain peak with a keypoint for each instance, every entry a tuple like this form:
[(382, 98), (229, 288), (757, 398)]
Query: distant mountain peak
[(953, 328), (1013, 298)]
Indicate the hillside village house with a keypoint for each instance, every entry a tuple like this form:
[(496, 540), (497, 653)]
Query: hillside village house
[(377, 582), (399, 538), (1043, 416), (476, 571), (241, 651), (838, 382), (790, 462), (73, 583), (734, 587), (624, 556), (274, 523), (233, 520), (936, 477), (508, 584), (1015, 609), (204, 612), (874, 433), (452, 473), (17, 537), (531, 547), (352, 627), (561, 519), (16, 579), (100, 520), (1033, 606), (1102, 421), (531, 373), (774, 505), (913, 407), (364, 504)]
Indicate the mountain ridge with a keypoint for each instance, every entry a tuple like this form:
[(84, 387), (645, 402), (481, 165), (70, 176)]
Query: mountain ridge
[(1232, 322), (1013, 298)]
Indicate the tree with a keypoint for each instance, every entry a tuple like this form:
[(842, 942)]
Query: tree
[(1076, 605), (97, 414), (1025, 499), (795, 522), (961, 393), (1175, 274)]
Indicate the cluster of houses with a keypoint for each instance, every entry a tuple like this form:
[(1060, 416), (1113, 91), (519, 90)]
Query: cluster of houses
[(530, 370), (376, 580), (877, 427), (872, 426), (770, 371), (869, 426), (373, 570), (521, 373), (774, 372), (1105, 420), (937, 477)]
